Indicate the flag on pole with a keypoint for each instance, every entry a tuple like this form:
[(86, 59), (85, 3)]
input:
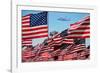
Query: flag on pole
[(80, 29), (34, 26)]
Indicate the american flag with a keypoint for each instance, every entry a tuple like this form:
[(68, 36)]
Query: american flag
[(50, 41), (80, 29), (28, 54), (34, 26), (68, 41), (27, 42), (70, 56), (78, 48), (66, 50), (57, 39)]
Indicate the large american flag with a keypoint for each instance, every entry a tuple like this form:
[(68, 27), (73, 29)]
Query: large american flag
[(80, 29), (34, 26)]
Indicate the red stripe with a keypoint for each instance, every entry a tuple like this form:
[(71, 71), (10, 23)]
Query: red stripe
[(57, 39), (68, 42), (23, 26), (80, 28), (49, 40), (78, 37), (41, 36), (56, 44), (45, 27), (76, 24), (25, 22), (80, 32), (85, 23), (27, 43), (87, 19), (79, 47), (34, 33), (51, 43), (27, 40), (25, 18)]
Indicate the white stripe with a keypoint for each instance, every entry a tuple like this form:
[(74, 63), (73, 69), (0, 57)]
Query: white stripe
[(67, 42), (34, 31), (78, 26), (25, 24), (25, 17), (48, 41), (58, 41), (79, 30), (73, 35), (80, 47), (34, 35), (79, 23), (68, 39), (27, 41), (35, 27), (26, 20), (57, 38)]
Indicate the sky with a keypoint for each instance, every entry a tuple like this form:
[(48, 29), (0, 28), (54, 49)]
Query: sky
[(54, 22)]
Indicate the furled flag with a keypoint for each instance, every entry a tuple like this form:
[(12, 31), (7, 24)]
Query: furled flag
[(34, 26), (80, 29)]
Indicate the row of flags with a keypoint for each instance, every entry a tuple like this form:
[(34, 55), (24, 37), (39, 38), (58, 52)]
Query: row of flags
[(45, 53), (35, 26), (56, 47), (58, 40)]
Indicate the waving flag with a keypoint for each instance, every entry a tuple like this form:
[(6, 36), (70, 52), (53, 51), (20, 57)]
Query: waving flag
[(27, 42), (68, 41), (34, 26), (58, 40), (78, 48), (80, 29)]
